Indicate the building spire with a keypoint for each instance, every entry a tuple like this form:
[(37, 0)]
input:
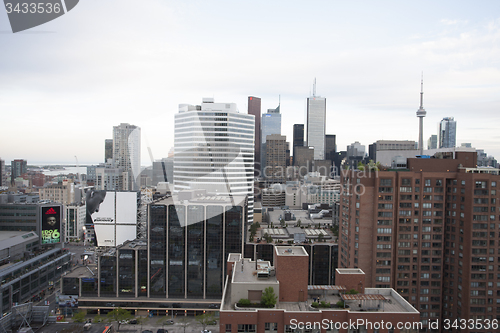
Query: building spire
[(421, 113), (422, 92)]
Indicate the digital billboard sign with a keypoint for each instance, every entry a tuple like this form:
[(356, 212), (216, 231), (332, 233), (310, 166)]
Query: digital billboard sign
[(51, 224)]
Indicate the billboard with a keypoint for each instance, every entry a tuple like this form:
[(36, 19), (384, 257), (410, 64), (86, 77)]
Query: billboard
[(114, 216), (51, 224)]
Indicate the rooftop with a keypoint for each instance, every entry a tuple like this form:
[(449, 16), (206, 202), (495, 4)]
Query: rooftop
[(246, 271), (89, 271), (349, 271), (291, 250)]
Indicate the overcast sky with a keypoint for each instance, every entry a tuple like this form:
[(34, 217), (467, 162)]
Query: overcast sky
[(65, 84)]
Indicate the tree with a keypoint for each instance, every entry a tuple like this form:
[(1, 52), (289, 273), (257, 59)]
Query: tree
[(299, 222), (205, 319), (269, 298), (140, 321), (320, 238), (118, 314), (98, 319), (184, 322), (79, 317), (268, 238)]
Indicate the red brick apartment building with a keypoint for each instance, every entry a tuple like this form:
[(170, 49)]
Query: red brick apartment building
[(374, 309), (431, 232)]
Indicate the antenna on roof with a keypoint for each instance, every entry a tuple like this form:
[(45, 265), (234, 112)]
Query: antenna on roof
[(314, 88)]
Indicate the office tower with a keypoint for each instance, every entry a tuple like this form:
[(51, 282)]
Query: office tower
[(356, 150), (163, 171), (428, 231), (303, 159), (3, 175), (271, 124), (189, 239), (75, 216), (18, 168), (298, 137), (330, 147), (276, 146), (447, 133), (214, 150), (108, 150), (432, 142), (421, 113), (316, 124), (127, 153), (254, 104)]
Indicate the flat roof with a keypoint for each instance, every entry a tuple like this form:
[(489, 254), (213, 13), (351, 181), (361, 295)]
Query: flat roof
[(83, 272), (291, 250), (249, 272), (349, 271), (9, 239)]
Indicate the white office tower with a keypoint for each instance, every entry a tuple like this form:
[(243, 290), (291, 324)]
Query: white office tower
[(127, 153), (316, 125), (214, 150)]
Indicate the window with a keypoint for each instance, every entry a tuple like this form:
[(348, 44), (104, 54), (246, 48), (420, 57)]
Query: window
[(228, 328), (270, 327), (246, 328)]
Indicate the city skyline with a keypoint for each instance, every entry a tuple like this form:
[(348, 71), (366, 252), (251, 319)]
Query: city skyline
[(136, 67)]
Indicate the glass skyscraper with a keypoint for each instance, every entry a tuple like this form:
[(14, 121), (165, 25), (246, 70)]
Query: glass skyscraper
[(271, 124), (316, 125), (448, 133)]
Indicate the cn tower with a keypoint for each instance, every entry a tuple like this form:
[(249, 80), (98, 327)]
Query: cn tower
[(421, 114)]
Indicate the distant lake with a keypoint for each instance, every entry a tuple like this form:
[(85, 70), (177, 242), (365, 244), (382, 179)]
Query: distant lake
[(65, 171)]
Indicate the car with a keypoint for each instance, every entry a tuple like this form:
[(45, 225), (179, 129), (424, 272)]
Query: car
[(133, 321), (123, 322), (206, 331), (213, 306), (212, 322), (161, 330), (147, 331), (169, 322)]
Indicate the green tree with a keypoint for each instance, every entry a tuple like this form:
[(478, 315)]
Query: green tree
[(184, 322), (321, 238), (98, 319), (118, 314), (79, 317), (299, 222), (205, 319), (269, 298), (268, 238)]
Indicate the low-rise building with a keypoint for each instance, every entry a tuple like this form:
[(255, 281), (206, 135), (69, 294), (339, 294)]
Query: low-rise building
[(313, 308)]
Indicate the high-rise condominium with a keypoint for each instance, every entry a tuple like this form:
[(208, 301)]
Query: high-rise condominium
[(447, 133), (316, 125), (430, 231), (214, 150), (127, 153)]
